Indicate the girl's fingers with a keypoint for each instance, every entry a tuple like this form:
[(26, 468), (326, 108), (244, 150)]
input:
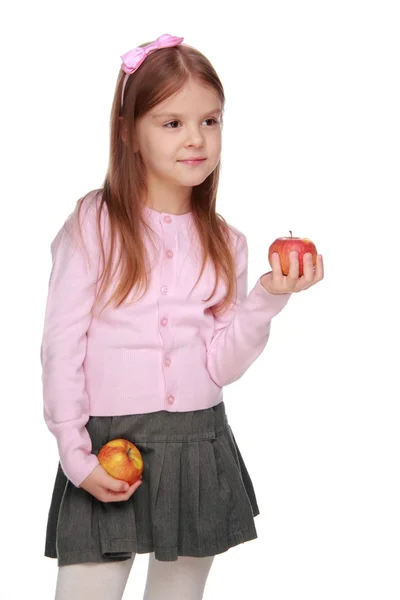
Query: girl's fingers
[(276, 266), (311, 276), (112, 496), (293, 282), (308, 269), (319, 269), (293, 274), (115, 485), (134, 487)]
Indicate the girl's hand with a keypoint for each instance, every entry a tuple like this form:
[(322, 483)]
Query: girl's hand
[(277, 283), (106, 488)]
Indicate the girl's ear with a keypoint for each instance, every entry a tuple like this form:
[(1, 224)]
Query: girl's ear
[(124, 134)]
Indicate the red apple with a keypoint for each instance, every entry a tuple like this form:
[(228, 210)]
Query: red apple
[(122, 460), (284, 245)]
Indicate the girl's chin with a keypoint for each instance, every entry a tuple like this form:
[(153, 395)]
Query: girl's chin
[(193, 180)]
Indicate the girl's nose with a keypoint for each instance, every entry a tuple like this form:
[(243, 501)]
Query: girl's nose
[(195, 137)]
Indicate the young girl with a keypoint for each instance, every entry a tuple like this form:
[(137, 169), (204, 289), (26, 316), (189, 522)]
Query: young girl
[(147, 318)]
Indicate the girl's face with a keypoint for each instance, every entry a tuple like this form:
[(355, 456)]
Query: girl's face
[(183, 127)]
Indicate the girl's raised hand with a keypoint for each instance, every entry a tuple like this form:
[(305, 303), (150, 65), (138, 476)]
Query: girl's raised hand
[(277, 283), (106, 488)]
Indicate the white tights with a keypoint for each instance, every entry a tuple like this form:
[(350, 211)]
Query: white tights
[(184, 579)]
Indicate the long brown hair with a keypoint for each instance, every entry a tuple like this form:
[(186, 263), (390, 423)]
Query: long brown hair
[(162, 74)]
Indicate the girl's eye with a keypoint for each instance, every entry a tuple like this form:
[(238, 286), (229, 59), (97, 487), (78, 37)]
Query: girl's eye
[(175, 124), (172, 123)]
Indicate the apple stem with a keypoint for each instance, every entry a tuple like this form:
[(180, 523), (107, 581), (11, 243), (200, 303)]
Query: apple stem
[(291, 235)]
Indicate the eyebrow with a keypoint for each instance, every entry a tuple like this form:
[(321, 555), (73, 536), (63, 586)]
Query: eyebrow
[(178, 116)]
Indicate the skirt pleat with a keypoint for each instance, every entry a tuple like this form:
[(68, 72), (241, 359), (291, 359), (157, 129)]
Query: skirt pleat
[(196, 497)]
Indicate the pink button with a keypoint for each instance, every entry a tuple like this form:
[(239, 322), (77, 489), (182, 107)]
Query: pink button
[(170, 254), (167, 361), (171, 399), (164, 289), (167, 219), (164, 321)]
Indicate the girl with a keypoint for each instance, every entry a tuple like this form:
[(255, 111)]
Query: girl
[(147, 318)]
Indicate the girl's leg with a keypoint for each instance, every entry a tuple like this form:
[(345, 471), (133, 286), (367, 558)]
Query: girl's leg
[(93, 581), (183, 579)]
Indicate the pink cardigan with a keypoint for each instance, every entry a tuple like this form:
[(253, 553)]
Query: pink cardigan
[(167, 351)]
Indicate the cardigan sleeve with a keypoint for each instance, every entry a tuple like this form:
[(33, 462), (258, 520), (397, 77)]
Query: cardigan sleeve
[(71, 294), (242, 332)]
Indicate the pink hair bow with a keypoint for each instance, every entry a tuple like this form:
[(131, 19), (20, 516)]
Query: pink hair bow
[(132, 60)]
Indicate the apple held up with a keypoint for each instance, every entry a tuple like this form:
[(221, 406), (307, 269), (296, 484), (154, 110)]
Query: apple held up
[(122, 460), (285, 245)]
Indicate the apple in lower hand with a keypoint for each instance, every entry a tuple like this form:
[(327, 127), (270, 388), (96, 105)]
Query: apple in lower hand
[(122, 460), (285, 245)]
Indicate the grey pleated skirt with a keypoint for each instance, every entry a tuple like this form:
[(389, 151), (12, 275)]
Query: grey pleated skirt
[(196, 499)]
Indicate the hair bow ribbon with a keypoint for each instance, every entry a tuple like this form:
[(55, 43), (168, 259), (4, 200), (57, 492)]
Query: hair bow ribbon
[(132, 60)]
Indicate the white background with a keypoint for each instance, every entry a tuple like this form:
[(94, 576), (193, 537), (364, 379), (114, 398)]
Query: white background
[(311, 144)]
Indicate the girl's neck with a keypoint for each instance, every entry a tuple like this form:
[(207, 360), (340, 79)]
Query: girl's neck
[(172, 203), (171, 209)]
